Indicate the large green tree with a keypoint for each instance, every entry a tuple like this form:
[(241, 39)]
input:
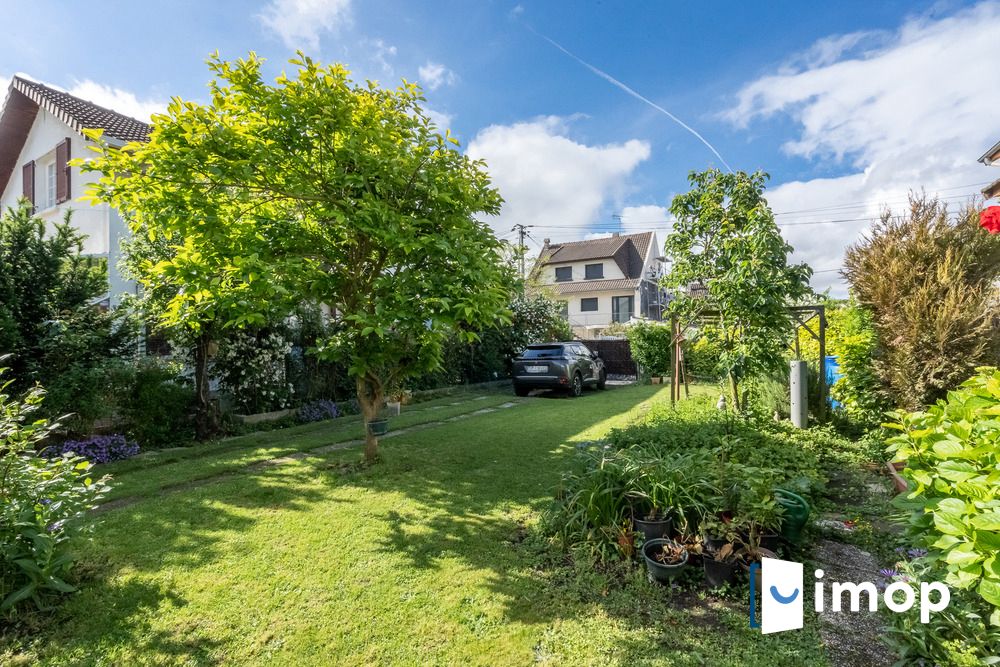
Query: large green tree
[(725, 239), (315, 188)]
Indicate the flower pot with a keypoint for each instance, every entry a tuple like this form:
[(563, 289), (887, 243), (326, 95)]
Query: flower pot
[(719, 572), (770, 541), (662, 572), (652, 530), (714, 543), (764, 553), (393, 408), (656, 379), (378, 426)]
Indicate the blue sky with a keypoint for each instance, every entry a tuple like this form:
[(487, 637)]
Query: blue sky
[(847, 105)]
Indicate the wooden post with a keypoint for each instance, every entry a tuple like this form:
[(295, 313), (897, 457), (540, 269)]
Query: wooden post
[(684, 375), (673, 364), (822, 364)]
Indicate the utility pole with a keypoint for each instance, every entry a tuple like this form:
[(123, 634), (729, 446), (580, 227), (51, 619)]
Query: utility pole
[(521, 249), (619, 219)]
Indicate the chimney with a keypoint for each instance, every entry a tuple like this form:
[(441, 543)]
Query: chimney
[(546, 242)]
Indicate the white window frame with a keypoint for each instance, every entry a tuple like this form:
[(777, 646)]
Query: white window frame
[(50, 184)]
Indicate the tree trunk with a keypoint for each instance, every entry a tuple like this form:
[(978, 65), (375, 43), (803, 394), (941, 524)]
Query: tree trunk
[(370, 400), (206, 417), (734, 392)]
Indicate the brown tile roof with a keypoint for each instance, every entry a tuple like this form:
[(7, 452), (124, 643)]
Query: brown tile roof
[(618, 284), (25, 97), (81, 114), (628, 251)]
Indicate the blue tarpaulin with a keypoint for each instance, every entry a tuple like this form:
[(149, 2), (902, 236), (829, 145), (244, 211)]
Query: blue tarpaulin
[(832, 375)]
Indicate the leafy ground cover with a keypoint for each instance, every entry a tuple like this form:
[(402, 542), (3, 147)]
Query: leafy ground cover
[(432, 557)]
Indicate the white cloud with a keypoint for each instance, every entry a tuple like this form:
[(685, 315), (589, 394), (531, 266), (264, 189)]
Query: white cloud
[(547, 178), (381, 53), (299, 23), (439, 118), (434, 75), (116, 99), (913, 112)]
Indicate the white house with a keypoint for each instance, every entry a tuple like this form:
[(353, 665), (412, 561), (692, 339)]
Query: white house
[(991, 158), (40, 130), (601, 281)]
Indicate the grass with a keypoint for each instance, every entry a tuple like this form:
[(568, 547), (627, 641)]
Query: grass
[(430, 557)]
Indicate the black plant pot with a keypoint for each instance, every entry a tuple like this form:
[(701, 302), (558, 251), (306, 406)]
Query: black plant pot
[(653, 530), (714, 543), (661, 572), (378, 427), (770, 541), (718, 572)]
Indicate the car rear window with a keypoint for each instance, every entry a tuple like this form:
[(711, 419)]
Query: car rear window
[(548, 351)]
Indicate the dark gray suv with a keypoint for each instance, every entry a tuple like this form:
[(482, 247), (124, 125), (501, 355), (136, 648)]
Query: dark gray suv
[(568, 365)]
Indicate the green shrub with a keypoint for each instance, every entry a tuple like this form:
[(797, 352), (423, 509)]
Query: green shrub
[(158, 407), (859, 389), (703, 359), (651, 345), (689, 463), (958, 636), (43, 508), (952, 455)]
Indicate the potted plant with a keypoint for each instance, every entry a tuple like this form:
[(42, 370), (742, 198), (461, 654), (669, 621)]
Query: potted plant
[(664, 559), (717, 530), (759, 517), (720, 565), (380, 425)]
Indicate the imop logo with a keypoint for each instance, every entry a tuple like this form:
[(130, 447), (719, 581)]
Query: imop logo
[(781, 595)]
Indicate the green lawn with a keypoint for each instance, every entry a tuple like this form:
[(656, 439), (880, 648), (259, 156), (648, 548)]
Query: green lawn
[(431, 557)]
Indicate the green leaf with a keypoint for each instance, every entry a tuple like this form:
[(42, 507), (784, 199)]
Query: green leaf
[(990, 591)]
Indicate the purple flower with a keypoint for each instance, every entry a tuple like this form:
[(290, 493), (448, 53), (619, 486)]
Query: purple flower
[(96, 449), (45, 501), (318, 411), (916, 553), (888, 573)]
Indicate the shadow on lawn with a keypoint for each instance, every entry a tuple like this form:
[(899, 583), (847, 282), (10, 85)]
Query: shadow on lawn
[(117, 603), (477, 488)]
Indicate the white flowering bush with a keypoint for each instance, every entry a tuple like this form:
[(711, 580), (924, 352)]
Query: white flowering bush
[(251, 367)]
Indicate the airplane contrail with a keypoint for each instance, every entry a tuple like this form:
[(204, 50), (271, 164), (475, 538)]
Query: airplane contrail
[(615, 82)]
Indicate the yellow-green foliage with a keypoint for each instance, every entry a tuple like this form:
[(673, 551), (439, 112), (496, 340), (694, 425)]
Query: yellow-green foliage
[(928, 280)]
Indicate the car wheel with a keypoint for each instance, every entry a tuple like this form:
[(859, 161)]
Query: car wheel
[(602, 380), (576, 388), (521, 391)]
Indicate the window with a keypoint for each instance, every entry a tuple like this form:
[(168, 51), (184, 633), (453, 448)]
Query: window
[(621, 308), (50, 185), (563, 309), (588, 304), (593, 271), (564, 273)]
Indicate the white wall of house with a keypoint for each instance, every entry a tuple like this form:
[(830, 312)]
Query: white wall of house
[(579, 318), (611, 270), (102, 226)]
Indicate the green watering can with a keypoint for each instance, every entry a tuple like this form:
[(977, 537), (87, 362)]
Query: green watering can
[(796, 514)]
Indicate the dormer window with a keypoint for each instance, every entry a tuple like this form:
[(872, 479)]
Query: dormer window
[(564, 274), (593, 271)]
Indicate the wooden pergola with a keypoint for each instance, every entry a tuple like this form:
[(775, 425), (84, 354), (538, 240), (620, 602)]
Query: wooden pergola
[(804, 317)]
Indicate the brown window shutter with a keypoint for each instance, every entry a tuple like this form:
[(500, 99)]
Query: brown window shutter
[(62, 171), (28, 182)]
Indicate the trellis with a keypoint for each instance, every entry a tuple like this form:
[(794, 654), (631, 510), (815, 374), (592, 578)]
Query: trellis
[(803, 316)]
